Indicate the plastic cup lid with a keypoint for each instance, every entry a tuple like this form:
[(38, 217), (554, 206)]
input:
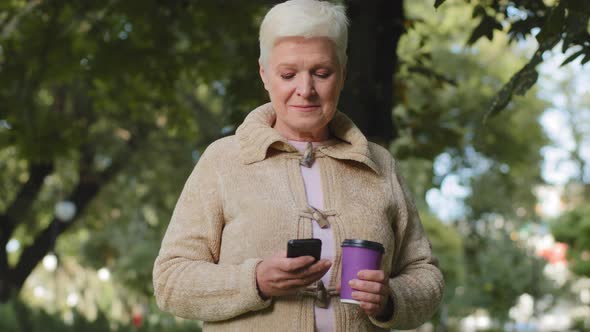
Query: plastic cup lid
[(363, 244)]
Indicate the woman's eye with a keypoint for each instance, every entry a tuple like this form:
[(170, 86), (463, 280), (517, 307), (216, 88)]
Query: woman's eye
[(287, 76), (323, 74)]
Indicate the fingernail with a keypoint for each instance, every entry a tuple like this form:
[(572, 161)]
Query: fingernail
[(351, 283)]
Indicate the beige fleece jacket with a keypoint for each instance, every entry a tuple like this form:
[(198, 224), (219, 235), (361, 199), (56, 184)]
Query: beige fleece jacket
[(246, 198)]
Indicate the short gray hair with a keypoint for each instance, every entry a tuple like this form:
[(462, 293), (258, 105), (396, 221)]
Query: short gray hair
[(304, 18)]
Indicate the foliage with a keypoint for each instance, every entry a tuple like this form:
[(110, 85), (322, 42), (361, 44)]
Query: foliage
[(442, 87), (16, 316), (500, 270), (565, 21), (447, 246), (573, 228), (106, 106)]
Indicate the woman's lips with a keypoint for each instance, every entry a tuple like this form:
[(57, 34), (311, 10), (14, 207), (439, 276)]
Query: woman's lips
[(305, 108)]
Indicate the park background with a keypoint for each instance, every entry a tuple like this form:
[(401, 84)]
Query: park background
[(106, 106)]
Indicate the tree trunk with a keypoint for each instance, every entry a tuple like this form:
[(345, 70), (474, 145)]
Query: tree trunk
[(375, 29), (12, 279), (18, 210), (12, 282)]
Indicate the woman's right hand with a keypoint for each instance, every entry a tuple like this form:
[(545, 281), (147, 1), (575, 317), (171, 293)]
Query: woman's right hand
[(278, 275)]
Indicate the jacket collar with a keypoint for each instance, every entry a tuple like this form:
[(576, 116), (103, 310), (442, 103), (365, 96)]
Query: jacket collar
[(256, 136)]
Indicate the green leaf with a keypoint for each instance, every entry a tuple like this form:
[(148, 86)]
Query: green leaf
[(574, 29), (553, 25), (525, 80), (519, 84), (501, 100), (478, 11), (485, 28), (437, 3), (572, 57)]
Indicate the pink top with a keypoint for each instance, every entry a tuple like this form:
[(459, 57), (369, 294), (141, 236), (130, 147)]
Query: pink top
[(324, 318)]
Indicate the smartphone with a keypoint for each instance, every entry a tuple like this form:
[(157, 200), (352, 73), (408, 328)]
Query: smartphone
[(304, 247)]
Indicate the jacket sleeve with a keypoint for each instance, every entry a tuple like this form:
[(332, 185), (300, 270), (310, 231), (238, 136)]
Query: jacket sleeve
[(188, 281), (416, 282)]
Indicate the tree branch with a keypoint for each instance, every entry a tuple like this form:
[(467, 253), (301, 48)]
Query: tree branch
[(89, 186), (11, 26), (23, 201), (44, 241)]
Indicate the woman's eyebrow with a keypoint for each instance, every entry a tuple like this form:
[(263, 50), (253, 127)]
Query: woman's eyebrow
[(325, 63), (286, 65)]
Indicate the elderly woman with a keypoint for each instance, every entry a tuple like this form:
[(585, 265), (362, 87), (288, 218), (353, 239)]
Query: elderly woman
[(296, 168)]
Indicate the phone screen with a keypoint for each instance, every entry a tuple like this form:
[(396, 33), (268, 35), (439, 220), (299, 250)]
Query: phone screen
[(304, 247)]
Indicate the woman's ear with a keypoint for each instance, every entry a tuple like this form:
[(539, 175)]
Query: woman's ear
[(263, 75)]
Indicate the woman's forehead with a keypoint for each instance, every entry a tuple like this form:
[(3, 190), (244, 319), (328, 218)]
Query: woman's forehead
[(296, 49)]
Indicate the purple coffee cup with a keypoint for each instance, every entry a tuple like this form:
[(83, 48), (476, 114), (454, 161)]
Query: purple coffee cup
[(357, 255)]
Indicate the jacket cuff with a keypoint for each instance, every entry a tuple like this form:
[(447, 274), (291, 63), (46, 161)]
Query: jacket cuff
[(398, 306), (248, 286)]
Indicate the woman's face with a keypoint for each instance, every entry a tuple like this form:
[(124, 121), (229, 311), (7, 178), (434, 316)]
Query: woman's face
[(303, 78)]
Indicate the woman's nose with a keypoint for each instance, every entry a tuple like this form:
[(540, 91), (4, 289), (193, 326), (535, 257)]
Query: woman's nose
[(305, 86)]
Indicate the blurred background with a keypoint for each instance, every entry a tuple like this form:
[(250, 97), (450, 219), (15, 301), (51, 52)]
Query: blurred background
[(105, 107)]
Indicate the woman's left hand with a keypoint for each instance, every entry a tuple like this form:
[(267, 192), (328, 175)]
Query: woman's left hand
[(372, 290)]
